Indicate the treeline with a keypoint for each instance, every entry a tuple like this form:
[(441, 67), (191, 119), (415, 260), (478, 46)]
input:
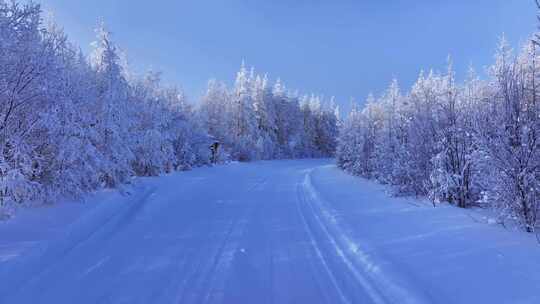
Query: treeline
[(469, 144), (71, 124), (258, 121)]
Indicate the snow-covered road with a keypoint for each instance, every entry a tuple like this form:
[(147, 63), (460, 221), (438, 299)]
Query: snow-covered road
[(266, 232)]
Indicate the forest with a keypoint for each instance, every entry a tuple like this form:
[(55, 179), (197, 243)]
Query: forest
[(72, 123)]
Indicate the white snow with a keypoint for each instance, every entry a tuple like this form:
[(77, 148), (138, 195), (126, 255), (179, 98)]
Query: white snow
[(267, 232)]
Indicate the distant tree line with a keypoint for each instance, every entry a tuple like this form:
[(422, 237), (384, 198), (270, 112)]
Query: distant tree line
[(258, 121)]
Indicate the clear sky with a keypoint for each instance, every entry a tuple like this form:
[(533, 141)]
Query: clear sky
[(341, 48)]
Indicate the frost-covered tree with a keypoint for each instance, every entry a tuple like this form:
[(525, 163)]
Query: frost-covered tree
[(244, 121), (266, 118), (215, 112), (510, 135), (111, 109), (350, 141), (456, 177)]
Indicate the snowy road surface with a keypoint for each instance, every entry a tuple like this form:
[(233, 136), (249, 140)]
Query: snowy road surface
[(266, 232)]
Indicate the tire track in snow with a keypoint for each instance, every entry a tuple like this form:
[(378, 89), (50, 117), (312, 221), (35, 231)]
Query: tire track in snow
[(211, 274), (230, 247), (316, 248), (79, 233), (194, 286), (377, 285)]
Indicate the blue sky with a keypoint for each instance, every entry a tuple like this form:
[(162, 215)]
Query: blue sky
[(339, 48)]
